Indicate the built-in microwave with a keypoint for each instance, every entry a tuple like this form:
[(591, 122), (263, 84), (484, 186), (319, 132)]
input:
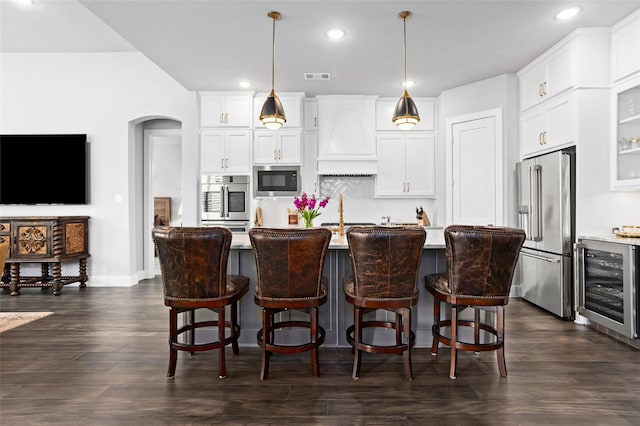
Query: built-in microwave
[(276, 181)]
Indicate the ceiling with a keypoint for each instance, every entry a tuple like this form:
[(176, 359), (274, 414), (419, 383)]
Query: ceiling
[(211, 44)]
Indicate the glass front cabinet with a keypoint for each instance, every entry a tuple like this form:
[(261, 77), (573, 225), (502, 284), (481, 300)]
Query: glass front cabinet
[(625, 159)]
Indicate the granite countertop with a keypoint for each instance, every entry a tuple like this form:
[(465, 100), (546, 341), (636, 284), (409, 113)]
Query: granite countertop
[(611, 238), (435, 240)]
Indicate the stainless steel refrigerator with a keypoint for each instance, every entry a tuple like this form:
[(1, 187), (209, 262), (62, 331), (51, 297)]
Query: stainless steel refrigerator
[(546, 212)]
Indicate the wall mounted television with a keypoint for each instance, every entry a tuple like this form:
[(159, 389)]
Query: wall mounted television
[(44, 169)]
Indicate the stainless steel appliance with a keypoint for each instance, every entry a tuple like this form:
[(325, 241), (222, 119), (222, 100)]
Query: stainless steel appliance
[(225, 202), (608, 285), (276, 181), (546, 212)]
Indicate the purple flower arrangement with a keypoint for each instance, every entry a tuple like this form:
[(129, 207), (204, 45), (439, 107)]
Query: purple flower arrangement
[(309, 207)]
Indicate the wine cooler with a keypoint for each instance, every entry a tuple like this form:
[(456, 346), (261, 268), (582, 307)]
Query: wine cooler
[(607, 274)]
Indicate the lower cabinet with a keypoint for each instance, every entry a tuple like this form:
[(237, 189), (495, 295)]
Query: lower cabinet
[(406, 165)]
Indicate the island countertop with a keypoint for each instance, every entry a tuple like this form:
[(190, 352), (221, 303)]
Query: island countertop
[(435, 240)]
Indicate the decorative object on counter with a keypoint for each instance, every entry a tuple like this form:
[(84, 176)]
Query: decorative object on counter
[(423, 219), (309, 207), (406, 115), (258, 220), (341, 220), (481, 261), (629, 231), (272, 114), (293, 217)]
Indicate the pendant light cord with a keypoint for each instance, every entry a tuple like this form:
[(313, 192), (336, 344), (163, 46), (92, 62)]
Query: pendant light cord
[(273, 55), (404, 49)]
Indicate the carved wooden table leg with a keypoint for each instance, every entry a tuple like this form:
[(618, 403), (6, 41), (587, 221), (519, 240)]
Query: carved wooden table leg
[(83, 272), (15, 279), (57, 278)]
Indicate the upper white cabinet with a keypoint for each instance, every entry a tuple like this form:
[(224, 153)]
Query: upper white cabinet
[(225, 151), (548, 127), (386, 106), (277, 147), (625, 158), (310, 115), (579, 60), (406, 165), (625, 47), (225, 109), (292, 104)]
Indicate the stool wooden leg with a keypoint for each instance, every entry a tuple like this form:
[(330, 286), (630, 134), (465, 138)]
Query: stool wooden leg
[(173, 353), (192, 330), (234, 334), (454, 341), (221, 337), (266, 337), (502, 366), (399, 330), (406, 325), (436, 326), (314, 339), (357, 355)]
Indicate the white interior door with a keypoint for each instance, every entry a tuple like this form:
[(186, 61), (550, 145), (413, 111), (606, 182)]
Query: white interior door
[(474, 183)]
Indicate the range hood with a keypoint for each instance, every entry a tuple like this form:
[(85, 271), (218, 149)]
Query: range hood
[(346, 135)]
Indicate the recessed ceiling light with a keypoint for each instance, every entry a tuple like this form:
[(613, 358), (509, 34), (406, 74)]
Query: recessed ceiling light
[(336, 33), (568, 13), (408, 83), (25, 2), (244, 84)]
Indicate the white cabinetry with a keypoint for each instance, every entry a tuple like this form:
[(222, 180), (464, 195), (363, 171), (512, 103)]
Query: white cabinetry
[(578, 60), (625, 47), (625, 158), (548, 127), (310, 115), (292, 104), (386, 106), (406, 165), (226, 152), (277, 147), (225, 109)]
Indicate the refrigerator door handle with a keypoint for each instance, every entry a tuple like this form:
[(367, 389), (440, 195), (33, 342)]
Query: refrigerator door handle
[(539, 257), (535, 192)]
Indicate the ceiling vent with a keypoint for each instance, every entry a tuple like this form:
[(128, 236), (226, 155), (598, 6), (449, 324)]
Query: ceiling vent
[(317, 76)]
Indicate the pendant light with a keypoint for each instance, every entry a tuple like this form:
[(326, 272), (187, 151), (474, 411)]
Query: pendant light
[(405, 116), (272, 113)]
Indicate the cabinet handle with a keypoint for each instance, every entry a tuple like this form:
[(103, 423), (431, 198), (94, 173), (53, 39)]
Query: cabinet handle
[(221, 119), (222, 163), (540, 94), (540, 138), (226, 118), (408, 187), (544, 88), (279, 154), (275, 156), (226, 163), (315, 122), (544, 138)]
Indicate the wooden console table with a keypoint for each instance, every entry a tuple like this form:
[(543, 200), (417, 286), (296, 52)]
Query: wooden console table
[(50, 241)]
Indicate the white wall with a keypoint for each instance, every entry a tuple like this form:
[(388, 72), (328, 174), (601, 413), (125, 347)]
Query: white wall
[(98, 94), (496, 92)]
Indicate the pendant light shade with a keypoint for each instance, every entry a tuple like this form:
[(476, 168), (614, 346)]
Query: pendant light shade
[(405, 115), (272, 113)]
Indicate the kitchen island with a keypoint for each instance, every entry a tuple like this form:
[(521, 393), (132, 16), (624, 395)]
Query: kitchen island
[(336, 315)]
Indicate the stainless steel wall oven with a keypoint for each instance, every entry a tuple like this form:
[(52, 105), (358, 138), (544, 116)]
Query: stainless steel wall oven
[(607, 281), (225, 201)]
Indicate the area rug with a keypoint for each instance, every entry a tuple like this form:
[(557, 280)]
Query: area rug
[(9, 320)]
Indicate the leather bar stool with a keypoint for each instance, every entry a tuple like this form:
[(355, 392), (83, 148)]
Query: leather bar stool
[(481, 261), (289, 264), (385, 263), (193, 262)]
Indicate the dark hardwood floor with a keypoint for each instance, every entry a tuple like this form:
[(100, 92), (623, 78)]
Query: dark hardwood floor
[(101, 359)]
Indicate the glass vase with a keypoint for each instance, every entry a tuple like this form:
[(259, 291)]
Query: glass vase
[(308, 222)]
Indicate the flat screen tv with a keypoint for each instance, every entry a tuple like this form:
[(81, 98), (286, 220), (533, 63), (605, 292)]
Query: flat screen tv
[(44, 169)]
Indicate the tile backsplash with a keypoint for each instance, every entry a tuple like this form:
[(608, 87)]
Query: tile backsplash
[(359, 204)]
